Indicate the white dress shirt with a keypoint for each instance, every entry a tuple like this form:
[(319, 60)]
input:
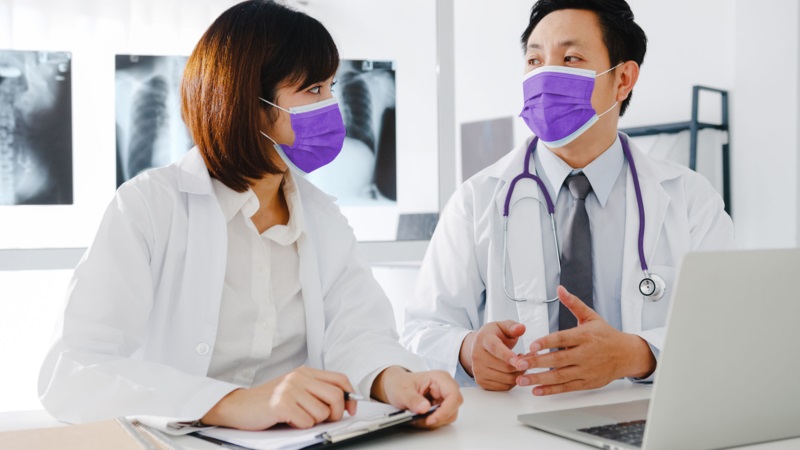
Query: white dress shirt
[(605, 206), (262, 323)]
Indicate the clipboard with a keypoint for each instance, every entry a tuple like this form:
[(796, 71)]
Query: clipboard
[(323, 436)]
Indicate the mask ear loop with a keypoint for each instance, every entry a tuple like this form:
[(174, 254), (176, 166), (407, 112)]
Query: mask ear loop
[(267, 136), (609, 109), (616, 102), (272, 104), (598, 75)]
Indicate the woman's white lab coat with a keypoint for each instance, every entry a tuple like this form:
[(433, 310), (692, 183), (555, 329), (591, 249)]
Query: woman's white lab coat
[(460, 282), (139, 326)]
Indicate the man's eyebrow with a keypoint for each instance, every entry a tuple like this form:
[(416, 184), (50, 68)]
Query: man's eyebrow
[(567, 43)]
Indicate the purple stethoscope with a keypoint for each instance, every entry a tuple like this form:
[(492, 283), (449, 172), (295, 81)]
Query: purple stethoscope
[(652, 286)]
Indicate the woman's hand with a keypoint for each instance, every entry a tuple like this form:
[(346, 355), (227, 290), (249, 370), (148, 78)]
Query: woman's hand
[(302, 398), (417, 392)]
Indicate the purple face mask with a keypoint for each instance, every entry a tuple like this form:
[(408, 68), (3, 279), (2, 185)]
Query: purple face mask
[(558, 103), (318, 135)]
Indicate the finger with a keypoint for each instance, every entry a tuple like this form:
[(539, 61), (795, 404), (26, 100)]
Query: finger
[(351, 407), (331, 395), (446, 393), (334, 378), (582, 312), (315, 408), (297, 417), (575, 385), (496, 348), (551, 377), (559, 339), (495, 380), (408, 397), (552, 359), (511, 329)]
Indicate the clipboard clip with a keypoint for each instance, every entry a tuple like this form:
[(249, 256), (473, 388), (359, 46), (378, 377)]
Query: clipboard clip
[(361, 427)]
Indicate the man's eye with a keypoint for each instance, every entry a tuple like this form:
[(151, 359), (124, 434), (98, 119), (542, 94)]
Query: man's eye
[(571, 59), (534, 62)]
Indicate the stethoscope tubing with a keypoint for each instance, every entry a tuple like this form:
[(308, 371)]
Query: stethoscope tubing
[(527, 174)]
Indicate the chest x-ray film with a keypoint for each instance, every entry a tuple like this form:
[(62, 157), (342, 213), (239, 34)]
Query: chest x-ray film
[(35, 128), (150, 131)]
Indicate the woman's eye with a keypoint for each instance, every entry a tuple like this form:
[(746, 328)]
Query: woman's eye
[(534, 62), (314, 90), (571, 59)]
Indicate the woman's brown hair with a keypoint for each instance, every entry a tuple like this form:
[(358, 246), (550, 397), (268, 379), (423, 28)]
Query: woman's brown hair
[(249, 51)]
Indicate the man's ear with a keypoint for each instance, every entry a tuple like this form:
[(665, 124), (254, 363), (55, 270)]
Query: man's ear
[(627, 75)]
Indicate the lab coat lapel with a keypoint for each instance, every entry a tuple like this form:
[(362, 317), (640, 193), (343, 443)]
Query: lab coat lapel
[(656, 202), (525, 259), (206, 255), (312, 297)]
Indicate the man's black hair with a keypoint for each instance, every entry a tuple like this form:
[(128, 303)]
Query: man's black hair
[(624, 39)]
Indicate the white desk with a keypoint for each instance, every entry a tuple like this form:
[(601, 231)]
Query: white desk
[(487, 420)]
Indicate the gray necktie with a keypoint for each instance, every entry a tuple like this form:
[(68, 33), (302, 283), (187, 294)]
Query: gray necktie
[(576, 251)]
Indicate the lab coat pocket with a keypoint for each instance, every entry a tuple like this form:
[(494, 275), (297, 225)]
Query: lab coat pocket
[(654, 313)]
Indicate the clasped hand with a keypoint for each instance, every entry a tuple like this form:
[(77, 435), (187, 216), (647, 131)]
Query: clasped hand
[(591, 355)]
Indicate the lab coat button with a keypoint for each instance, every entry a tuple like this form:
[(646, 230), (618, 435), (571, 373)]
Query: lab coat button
[(202, 348)]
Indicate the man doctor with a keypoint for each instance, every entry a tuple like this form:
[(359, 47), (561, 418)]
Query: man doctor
[(524, 327)]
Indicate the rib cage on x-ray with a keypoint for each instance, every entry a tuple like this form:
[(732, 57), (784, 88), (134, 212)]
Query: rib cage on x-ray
[(148, 115), (357, 109), (150, 131)]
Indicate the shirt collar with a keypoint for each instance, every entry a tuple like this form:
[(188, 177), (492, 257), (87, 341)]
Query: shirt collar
[(602, 172), (233, 202), (289, 233)]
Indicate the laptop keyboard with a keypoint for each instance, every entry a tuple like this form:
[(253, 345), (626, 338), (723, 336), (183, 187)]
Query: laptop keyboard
[(630, 433)]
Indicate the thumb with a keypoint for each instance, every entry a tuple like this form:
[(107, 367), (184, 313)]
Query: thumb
[(576, 306), (408, 398), (511, 329)]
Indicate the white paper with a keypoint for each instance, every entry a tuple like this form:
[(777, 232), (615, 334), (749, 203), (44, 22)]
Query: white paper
[(284, 438)]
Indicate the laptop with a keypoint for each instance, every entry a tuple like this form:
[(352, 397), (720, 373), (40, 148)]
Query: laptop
[(729, 373)]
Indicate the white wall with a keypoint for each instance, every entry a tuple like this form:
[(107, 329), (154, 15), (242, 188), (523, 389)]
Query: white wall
[(689, 42), (765, 123)]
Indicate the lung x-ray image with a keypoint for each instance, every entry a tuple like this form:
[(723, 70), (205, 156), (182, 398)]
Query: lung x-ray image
[(35, 128), (150, 131), (365, 172)]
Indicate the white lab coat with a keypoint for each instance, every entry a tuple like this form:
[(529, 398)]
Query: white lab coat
[(460, 283), (143, 306)]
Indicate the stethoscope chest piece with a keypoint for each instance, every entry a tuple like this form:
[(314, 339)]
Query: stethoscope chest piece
[(653, 287)]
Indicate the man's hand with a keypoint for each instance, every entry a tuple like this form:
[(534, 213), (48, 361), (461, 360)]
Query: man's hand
[(302, 398), (486, 355), (417, 392), (594, 354)]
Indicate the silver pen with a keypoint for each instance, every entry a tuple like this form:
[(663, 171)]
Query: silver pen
[(351, 396)]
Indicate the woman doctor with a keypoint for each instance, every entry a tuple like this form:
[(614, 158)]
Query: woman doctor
[(225, 288), (484, 308)]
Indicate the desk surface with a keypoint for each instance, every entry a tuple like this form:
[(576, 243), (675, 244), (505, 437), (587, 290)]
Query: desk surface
[(487, 420)]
